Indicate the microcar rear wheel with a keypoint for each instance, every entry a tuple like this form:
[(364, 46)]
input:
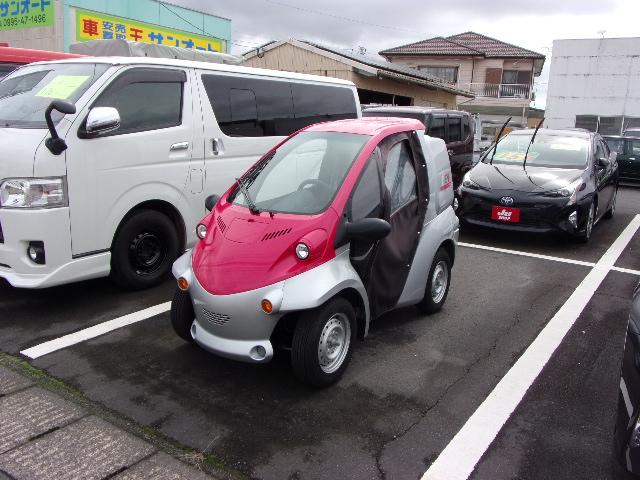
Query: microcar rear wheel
[(437, 284), (182, 315), (143, 250), (323, 342)]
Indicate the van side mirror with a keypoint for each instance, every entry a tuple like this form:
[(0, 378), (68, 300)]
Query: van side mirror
[(368, 229), (102, 120), (211, 201), (55, 144)]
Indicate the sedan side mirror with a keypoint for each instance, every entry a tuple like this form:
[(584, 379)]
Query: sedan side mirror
[(102, 120), (211, 201), (603, 162), (368, 229)]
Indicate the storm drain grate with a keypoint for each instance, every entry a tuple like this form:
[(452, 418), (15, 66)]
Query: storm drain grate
[(276, 234), (216, 318)]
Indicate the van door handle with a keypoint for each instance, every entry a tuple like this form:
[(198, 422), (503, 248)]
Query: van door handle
[(179, 146), (217, 148)]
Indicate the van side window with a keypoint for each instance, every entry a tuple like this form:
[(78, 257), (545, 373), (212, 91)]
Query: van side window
[(436, 128), (465, 127), (400, 177), (146, 99), (366, 201), (281, 107), (455, 129)]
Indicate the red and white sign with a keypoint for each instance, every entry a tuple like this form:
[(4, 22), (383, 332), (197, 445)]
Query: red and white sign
[(505, 214)]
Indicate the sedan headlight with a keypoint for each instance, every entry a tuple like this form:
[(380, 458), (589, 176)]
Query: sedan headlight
[(570, 192), (33, 193)]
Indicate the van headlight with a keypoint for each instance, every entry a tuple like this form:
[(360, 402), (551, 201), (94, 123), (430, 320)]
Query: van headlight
[(33, 192)]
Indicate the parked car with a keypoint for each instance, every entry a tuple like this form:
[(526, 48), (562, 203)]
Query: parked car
[(339, 224), (145, 138), (544, 181), (12, 58), (455, 127), (627, 429), (632, 132), (628, 156)]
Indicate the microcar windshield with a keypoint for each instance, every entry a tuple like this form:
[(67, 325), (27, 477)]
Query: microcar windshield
[(552, 151), (303, 175), (26, 93)]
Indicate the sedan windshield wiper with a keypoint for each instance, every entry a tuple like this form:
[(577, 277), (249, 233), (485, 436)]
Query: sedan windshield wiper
[(245, 191), (495, 147), (524, 163)]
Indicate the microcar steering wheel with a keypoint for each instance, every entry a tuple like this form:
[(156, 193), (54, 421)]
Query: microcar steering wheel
[(314, 181)]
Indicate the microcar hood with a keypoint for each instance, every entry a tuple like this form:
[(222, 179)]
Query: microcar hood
[(17, 151), (242, 252), (529, 179)]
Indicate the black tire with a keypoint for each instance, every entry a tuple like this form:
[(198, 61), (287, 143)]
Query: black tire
[(612, 208), (585, 236), (143, 251), (431, 303), (312, 337), (182, 314)]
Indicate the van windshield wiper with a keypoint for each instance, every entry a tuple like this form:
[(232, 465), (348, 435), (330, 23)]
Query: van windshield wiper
[(495, 147), (245, 191), (533, 137)]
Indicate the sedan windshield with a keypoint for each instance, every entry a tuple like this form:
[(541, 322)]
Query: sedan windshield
[(26, 93), (554, 151), (303, 175)]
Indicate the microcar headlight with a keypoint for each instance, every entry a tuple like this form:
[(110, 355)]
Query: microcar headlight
[(33, 193), (201, 231), (468, 183), (302, 251)]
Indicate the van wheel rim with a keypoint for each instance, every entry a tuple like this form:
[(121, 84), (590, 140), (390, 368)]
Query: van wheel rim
[(439, 281), (146, 252), (334, 343)]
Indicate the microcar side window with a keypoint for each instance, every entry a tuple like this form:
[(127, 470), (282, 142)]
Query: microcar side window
[(366, 201), (400, 177), (303, 175)]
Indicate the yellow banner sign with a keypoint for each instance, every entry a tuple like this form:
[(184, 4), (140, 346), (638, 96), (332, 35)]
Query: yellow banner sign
[(100, 26)]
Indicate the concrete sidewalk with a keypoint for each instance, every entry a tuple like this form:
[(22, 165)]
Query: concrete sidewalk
[(43, 436)]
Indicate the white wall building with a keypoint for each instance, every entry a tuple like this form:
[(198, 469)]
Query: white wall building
[(594, 84)]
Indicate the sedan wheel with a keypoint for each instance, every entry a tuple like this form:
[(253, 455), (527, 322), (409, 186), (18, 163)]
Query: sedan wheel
[(586, 235), (612, 209)]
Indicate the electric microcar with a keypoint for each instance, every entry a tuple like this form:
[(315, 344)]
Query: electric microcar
[(338, 224)]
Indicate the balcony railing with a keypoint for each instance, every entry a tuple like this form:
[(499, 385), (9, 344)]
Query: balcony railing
[(500, 90)]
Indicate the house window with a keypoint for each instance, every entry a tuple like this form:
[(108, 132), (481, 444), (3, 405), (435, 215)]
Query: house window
[(515, 83), (588, 122), (448, 74)]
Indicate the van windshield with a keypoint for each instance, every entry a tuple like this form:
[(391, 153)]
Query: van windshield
[(26, 93), (303, 175)]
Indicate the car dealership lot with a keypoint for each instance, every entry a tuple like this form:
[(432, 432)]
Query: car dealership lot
[(409, 389)]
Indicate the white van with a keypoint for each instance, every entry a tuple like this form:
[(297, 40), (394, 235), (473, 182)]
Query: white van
[(122, 188)]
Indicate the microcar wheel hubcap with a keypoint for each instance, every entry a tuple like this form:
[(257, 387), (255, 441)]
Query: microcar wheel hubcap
[(439, 281), (334, 343), (146, 253)]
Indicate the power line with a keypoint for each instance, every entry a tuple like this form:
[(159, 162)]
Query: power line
[(340, 17)]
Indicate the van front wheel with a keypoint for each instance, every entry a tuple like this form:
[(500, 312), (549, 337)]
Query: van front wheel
[(143, 251)]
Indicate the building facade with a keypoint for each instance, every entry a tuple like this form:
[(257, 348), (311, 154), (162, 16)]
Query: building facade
[(500, 75), (56, 24), (595, 84), (378, 82)]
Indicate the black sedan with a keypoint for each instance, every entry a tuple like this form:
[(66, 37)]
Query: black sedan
[(627, 431), (542, 181)]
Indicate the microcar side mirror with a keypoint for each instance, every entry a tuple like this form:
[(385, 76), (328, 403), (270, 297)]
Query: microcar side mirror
[(368, 229), (211, 201), (102, 120)]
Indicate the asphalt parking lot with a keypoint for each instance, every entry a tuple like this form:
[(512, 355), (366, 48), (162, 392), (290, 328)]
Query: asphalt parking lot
[(410, 388)]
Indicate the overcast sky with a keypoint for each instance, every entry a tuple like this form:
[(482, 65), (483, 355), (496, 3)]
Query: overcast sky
[(378, 24)]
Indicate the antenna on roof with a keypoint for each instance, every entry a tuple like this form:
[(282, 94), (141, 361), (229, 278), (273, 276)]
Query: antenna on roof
[(602, 32), (362, 50)]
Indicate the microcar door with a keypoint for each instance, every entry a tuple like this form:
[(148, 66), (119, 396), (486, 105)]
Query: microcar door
[(404, 205), (632, 160)]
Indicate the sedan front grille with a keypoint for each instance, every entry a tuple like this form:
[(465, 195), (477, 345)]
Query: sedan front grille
[(216, 318)]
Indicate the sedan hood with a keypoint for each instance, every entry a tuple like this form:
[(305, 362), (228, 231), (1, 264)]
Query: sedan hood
[(529, 179), (17, 155)]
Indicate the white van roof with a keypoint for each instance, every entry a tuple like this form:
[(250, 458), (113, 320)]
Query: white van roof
[(170, 62)]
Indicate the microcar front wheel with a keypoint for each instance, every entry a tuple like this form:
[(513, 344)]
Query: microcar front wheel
[(182, 314), (437, 284), (323, 342)]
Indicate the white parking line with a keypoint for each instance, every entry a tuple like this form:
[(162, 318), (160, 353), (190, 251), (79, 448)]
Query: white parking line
[(95, 331), (460, 456)]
